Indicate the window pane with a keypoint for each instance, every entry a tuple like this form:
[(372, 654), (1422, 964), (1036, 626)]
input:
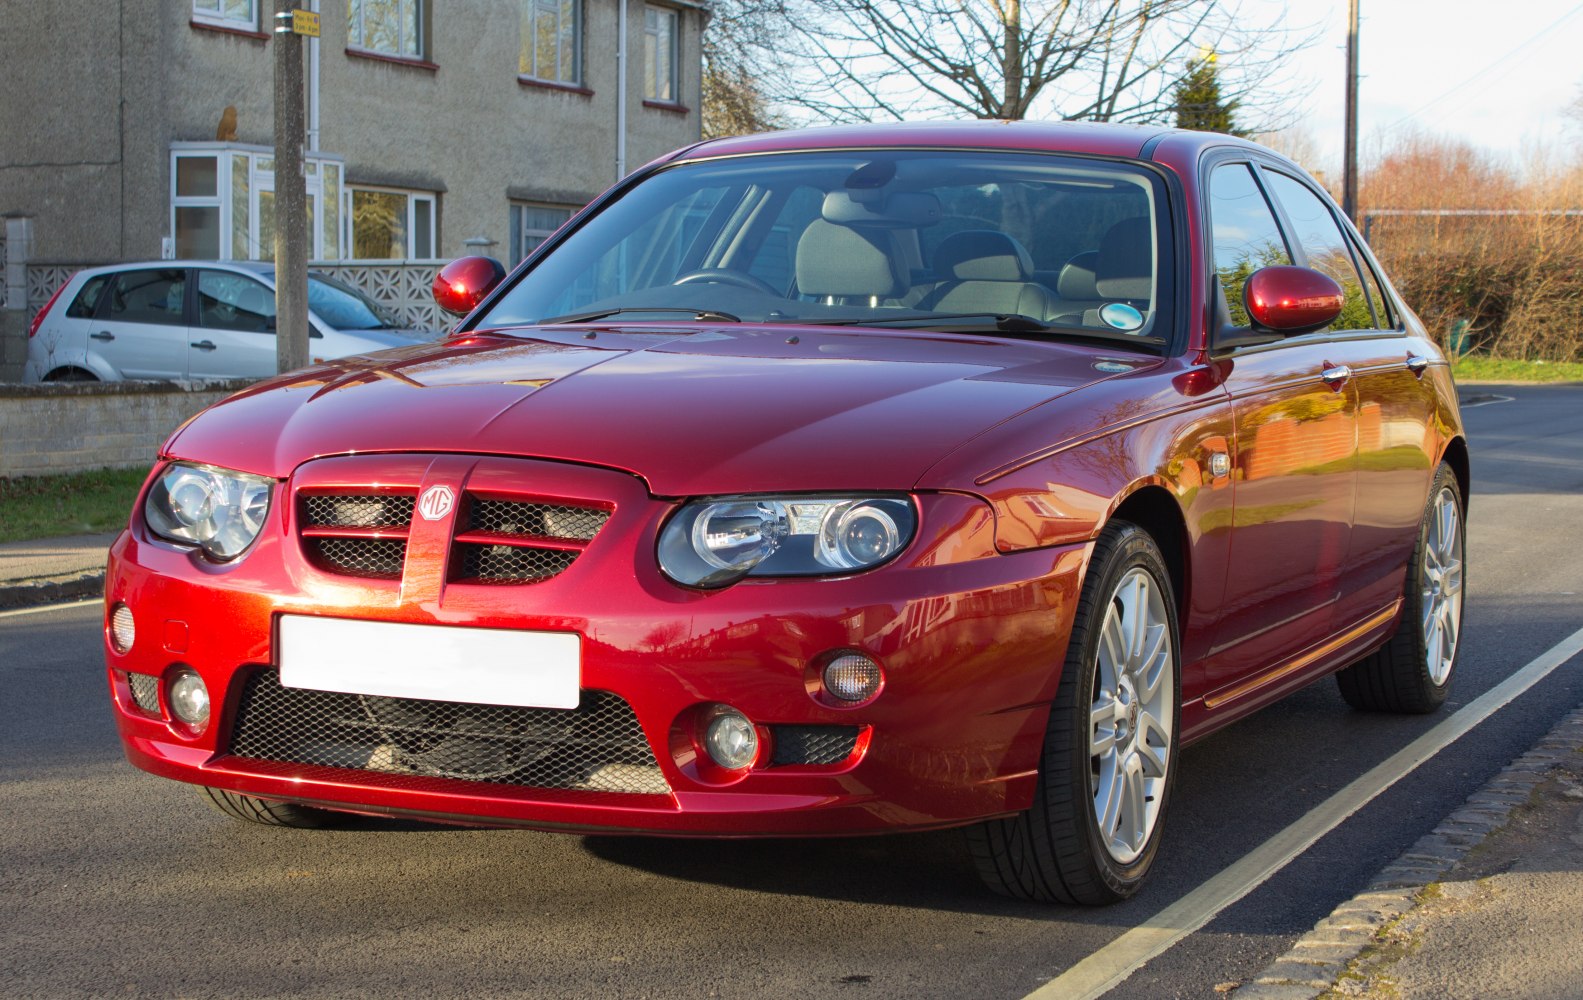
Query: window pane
[(1382, 306), (210, 7), (240, 10), (379, 225), (422, 228), (147, 297), (266, 225), (1316, 232), (198, 233), (354, 21), (241, 203), (331, 229), (1245, 235), (381, 25), (234, 302), (196, 177), (568, 65), (409, 28), (87, 300), (544, 46)]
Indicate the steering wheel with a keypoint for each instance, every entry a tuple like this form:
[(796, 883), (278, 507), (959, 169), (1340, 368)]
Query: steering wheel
[(726, 276)]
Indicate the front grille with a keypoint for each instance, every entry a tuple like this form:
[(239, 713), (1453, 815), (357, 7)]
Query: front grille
[(813, 744), (145, 691), (598, 746), (508, 517), (379, 558), (376, 510), (511, 563)]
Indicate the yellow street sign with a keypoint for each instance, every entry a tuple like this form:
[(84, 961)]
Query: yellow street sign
[(305, 22)]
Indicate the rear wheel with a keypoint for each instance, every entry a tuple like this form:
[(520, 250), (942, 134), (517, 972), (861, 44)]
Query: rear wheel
[(71, 375), (1110, 749), (1412, 672), (255, 810)]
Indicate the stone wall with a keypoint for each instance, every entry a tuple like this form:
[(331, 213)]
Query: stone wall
[(73, 427)]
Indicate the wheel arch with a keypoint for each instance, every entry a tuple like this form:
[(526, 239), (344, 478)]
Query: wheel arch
[(1154, 509), (1456, 456)]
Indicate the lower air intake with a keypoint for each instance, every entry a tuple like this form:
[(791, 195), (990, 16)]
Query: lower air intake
[(817, 745), (598, 746)]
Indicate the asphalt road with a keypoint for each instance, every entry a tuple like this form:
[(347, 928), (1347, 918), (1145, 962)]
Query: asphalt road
[(114, 882)]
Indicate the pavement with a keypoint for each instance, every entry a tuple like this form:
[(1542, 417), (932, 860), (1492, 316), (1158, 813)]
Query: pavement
[(1488, 904)]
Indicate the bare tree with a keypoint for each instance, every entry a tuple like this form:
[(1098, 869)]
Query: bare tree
[(1102, 60), (742, 61)]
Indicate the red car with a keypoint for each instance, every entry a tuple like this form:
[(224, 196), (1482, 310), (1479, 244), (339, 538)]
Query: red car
[(829, 482)]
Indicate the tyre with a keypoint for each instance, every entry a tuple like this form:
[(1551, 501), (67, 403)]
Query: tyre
[(255, 810), (1412, 672), (1110, 750), (71, 375)]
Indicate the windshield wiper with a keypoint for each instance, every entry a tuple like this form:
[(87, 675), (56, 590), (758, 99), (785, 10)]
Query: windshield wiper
[(1004, 322), (714, 315)]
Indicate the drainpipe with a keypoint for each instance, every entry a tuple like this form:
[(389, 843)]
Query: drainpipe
[(621, 89), (313, 87)]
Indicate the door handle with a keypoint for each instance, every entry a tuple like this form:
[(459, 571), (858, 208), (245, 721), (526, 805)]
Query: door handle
[(1336, 375), (102, 335), (1416, 364), (203, 345)]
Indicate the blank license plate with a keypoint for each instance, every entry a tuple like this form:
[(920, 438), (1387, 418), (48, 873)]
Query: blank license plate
[(432, 662)]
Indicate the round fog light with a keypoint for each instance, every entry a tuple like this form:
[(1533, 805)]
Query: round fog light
[(731, 740), (852, 677), (189, 698), (122, 629)]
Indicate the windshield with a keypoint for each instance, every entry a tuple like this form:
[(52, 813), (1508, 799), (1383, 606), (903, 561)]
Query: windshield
[(344, 307), (947, 239)]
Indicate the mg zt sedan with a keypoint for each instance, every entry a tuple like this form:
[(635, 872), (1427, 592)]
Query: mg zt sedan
[(832, 482)]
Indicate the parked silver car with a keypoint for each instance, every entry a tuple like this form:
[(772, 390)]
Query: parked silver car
[(193, 319)]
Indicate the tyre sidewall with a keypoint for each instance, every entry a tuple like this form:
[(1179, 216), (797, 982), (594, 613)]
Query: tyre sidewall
[(1413, 600)]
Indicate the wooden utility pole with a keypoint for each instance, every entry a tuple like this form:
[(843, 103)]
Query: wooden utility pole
[(1349, 181), (291, 193)]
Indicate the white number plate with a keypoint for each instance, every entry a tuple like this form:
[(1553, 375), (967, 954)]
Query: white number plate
[(433, 662)]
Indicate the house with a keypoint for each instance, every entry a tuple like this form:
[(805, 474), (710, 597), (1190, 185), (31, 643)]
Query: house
[(133, 129)]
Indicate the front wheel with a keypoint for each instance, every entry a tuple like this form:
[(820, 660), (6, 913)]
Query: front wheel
[(262, 811), (1110, 750)]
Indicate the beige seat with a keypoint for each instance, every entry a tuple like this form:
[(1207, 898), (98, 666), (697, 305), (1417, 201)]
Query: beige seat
[(986, 271), (1077, 289), (1124, 268), (847, 264)]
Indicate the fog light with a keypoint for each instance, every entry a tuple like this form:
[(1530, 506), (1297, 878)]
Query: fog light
[(731, 740), (122, 629), (852, 677), (189, 698)]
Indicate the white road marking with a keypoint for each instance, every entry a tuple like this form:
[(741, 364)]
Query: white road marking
[(1112, 964), (51, 607), (1485, 399)]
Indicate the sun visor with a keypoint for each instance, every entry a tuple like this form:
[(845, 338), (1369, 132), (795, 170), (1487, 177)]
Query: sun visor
[(897, 210)]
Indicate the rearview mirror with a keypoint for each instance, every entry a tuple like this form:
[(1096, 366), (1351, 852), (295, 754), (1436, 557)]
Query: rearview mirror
[(464, 282), (1291, 300)]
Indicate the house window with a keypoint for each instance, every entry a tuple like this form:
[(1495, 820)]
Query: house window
[(239, 14), (532, 225), (389, 27), (197, 207), (659, 52), (551, 42), (392, 225), (222, 198)]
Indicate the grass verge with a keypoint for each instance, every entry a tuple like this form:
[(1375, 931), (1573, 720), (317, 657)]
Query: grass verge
[(76, 504), (1478, 368)]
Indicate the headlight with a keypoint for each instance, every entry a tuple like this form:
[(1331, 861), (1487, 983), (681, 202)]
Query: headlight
[(217, 510), (712, 543)]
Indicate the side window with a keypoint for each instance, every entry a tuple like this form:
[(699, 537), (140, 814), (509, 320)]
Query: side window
[(1243, 231), (1382, 305), (228, 301), (147, 297), (87, 299), (773, 262), (1315, 229)]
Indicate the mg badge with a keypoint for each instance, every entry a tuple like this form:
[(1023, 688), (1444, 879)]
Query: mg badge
[(436, 502)]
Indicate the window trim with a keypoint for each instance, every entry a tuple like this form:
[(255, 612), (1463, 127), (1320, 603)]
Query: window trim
[(258, 180), (215, 18), (355, 35), (413, 196), (530, 9), (650, 74)]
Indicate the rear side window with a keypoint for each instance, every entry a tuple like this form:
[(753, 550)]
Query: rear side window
[(229, 301), (1244, 232), (1315, 229), (1382, 305), (147, 297), (88, 297)]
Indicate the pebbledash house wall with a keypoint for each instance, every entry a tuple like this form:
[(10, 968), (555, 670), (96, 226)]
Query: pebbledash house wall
[(98, 90)]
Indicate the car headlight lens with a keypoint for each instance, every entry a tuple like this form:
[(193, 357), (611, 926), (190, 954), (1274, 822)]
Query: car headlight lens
[(217, 510), (712, 543)]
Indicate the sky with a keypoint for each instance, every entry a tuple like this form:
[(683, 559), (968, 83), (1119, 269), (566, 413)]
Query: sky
[(1498, 74)]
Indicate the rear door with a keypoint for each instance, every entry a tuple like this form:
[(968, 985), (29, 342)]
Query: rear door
[(234, 336), (140, 326)]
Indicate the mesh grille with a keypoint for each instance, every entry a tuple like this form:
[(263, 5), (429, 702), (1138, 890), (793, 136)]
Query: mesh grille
[(511, 563), (544, 520), (813, 744), (598, 746), (372, 511), (381, 558), (145, 691)]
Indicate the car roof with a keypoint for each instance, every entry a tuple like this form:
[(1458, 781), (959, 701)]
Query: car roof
[(262, 268)]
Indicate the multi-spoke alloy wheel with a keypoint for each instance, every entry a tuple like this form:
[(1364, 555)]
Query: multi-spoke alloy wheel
[(1130, 720), (1110, 749), (1412, 672)]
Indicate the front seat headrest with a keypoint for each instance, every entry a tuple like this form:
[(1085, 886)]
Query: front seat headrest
[(1125, 269), (841, 261), (982, 255), (1076, 281)]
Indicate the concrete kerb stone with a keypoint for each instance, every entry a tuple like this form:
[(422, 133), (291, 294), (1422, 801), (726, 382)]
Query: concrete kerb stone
[(1318, 958), (27, 595)]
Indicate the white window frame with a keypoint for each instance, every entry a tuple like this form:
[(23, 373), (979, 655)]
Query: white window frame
[(260, 180), (651, 80), (419, 203), (213, 12), (521, 234), (531, 11), (355, 34)]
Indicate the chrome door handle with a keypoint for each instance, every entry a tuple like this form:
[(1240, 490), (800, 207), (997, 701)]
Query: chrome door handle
[(102, 335), (1415, 364), (1340, 373), (203, 345)]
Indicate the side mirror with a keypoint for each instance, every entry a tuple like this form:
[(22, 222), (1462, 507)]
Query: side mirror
[(464, 282), (1291, 300)]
